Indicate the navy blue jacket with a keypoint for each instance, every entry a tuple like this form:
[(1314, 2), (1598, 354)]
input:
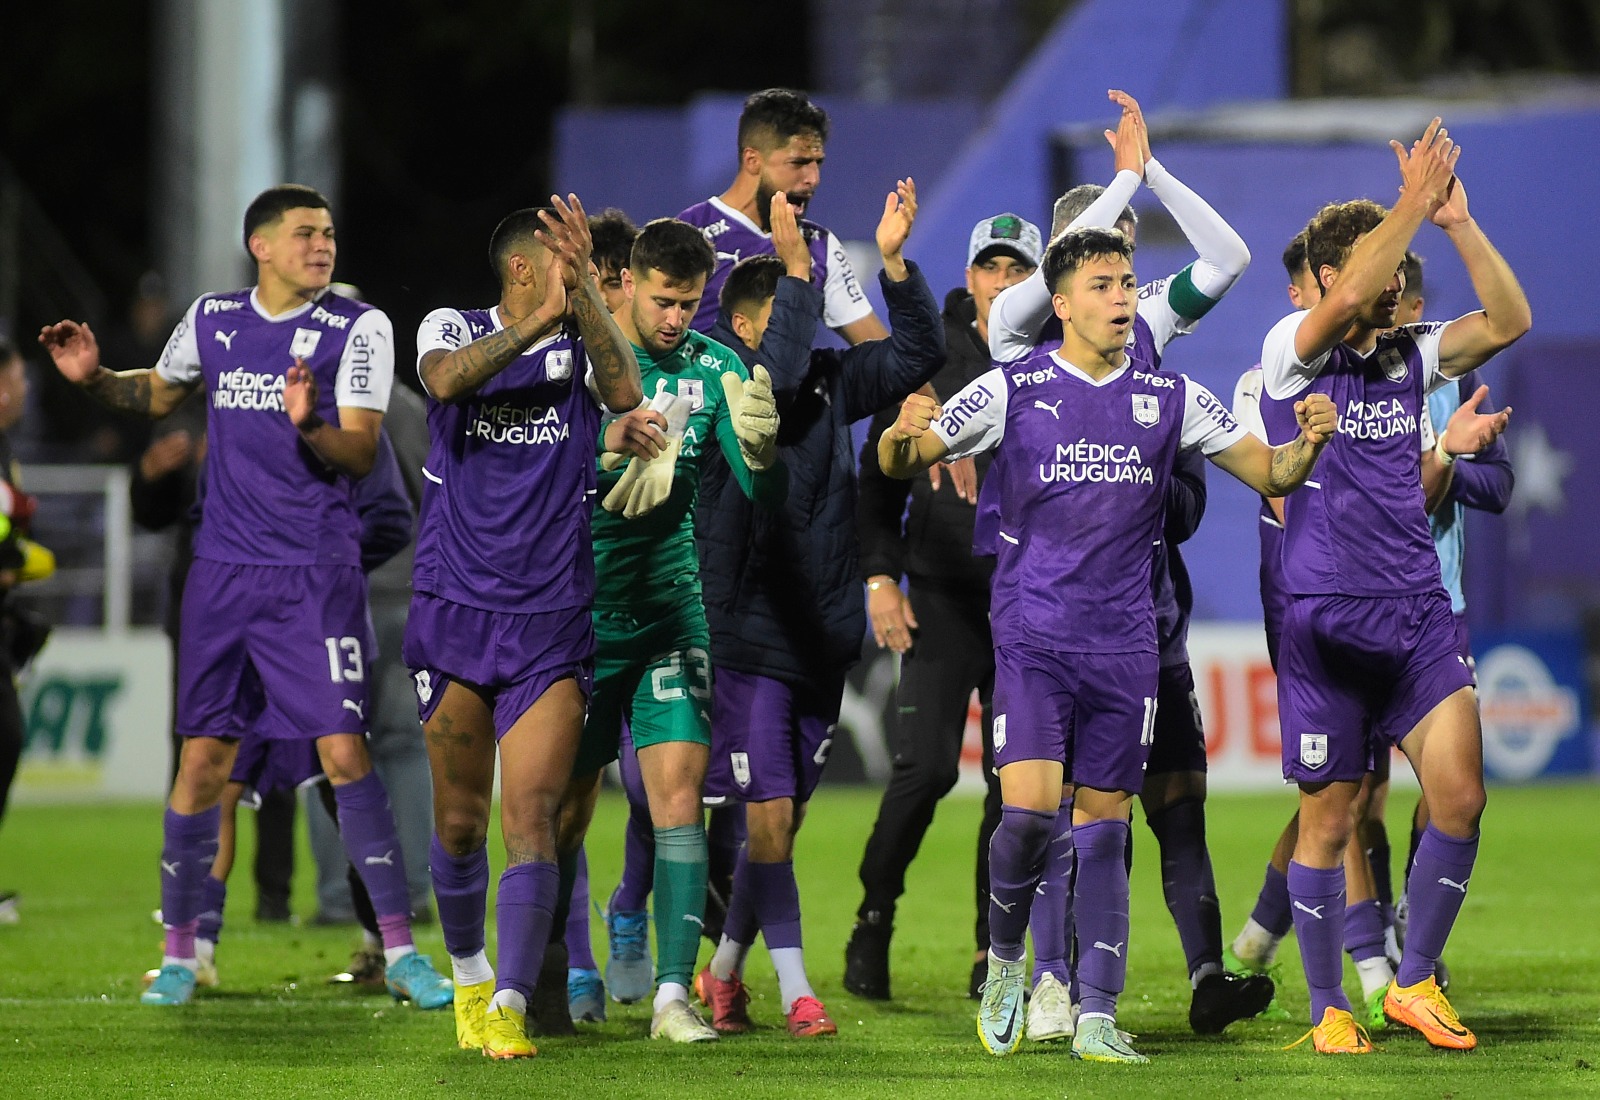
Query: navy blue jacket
[(782, 589)]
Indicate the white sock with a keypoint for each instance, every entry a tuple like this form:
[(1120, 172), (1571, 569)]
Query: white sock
[(509, 998), (1391, 942), (728, 962), (392, 955), (205, 951), (190, 965), (1255, 946), (1375, 974), (1203, 971), (471, 969), (370, 941), (790, 963), (667, 992)]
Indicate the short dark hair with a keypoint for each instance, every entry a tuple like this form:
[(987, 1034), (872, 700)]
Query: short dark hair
[(771, 117), (675, 248), (1335, 231), (1076, 201), (275, 202), (515, 231), (613, 232), (1070, 251), (753, 280), (1294, 256), (1412, 266)]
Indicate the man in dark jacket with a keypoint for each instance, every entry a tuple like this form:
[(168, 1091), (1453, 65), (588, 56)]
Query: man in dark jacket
[(781, 587), (940, 625)]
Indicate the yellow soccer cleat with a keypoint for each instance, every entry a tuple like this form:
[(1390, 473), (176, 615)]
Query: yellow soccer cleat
[(472, 1005), (1423, 1008), (1338, 1033), (505, 1034)]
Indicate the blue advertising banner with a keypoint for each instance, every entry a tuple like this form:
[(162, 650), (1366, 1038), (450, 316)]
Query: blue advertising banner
[(1531, 696)]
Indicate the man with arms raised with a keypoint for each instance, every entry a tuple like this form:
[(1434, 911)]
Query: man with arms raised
[(1087, 443)]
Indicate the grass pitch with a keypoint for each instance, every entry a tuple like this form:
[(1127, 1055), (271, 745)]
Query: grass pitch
[(1525, 958)]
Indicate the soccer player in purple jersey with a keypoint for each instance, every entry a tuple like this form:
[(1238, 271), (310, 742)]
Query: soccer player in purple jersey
[(781, 139), (1174, 789), (499, 635), (1090, 441), (297, 380), (1368, 656)]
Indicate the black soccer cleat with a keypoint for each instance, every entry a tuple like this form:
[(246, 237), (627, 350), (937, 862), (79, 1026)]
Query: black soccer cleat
[(547, 1011), (866, 958), (1220, 999)]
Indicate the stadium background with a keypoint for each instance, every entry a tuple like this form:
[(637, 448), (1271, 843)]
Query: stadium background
[(135, 132)]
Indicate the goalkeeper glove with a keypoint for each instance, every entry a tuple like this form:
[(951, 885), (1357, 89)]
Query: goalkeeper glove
[(647, 482), (754, 412)]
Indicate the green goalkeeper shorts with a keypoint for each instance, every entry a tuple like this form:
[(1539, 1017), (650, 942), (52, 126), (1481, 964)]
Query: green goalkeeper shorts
[(656, 675)]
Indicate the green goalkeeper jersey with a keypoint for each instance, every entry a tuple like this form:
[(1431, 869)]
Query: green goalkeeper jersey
[(651, 561)]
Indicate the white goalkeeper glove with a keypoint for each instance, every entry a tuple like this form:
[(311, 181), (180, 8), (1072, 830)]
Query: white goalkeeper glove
[(754, 412), (647, 482)]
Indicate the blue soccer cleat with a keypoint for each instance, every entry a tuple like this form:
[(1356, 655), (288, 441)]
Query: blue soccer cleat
[(173, 985), (586, 996), (629, 973), (414, 979), (1000, 1014)]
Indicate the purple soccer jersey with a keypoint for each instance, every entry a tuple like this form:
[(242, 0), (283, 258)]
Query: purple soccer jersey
[(510, 477), (1081, 493), (735, 237), (1274, 596), (1358, 527), (270, 500)]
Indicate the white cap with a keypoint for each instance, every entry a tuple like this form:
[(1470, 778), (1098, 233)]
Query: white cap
[(1008, 233)]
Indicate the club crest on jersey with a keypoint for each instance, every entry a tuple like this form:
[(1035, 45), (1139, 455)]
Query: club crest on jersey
[(558, 365), (305, 342), (424, 685), (741, 768), (1393, 363), (1146, 410), (1313, 749), (693, 390)]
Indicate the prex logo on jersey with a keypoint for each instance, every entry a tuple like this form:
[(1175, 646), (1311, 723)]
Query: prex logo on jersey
[(305, 342), (221, 305), (1146, 410), (1030, 377), (558, 365), (332, 320)]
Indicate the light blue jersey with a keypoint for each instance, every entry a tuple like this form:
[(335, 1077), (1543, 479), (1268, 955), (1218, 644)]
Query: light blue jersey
[(1448, 522)]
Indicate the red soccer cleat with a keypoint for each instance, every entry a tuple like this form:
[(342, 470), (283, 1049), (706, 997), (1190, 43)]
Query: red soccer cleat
[(808, 1018)]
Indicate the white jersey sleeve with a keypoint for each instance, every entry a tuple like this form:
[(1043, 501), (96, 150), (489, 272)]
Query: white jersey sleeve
[(974, 420), (441, 330), (366, 369), (1155, 306), (1207, 423), (1282, 373), (180, 359), (843, 300), (1428, 334), (1247, 403)]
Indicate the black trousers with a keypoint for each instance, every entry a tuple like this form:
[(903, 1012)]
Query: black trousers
[(10, 733), (952, 655)]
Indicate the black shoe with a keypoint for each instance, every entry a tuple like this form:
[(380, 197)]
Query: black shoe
[(272, 910), (980, 974), (716, 915), (866, 957), (547, 1013), (1220, 999)]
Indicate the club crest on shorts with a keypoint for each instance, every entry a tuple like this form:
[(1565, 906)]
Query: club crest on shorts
[(693, 390), (558, 365), (1146, 410), (304, 343), (741, 768), (1313, 749), (424, 685), (999, 732), (1393, 363)]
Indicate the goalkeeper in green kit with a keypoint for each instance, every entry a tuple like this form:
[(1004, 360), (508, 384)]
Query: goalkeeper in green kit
[(652, 663)]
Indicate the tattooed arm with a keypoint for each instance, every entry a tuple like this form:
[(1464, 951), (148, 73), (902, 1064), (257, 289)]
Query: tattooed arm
[(1277, 471), (454, 374), (616, 371), (143, 392)]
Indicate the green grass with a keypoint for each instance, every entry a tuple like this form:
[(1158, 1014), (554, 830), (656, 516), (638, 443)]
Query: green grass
[(1525, 957)]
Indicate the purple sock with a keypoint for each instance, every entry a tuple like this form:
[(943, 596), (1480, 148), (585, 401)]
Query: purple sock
[(523, 911), (395, 930), (1187, 882), (1100, 910), (725, 837), (580, 949), (213, 899), (741, 925), (1017, 854), (461, 891), (1363, 930), (1437, 887), (1050, 920), (638, 863), (1272, 904), (366, 826), (1317, 897), (188, 849), (776, 897)]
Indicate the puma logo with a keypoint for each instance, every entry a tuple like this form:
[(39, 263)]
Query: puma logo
[(1317, 912), (694, 920), (1053, 410), (1002, 904), (1462, 886), (171, 868), (226, 338), (1104, 946), (385, 860), (351, 704)]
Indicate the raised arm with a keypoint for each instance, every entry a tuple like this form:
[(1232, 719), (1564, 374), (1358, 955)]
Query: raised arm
[(910, 445), (144, 392), (455, 374), (1506, 315), (616, 371), (1276, 471)]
